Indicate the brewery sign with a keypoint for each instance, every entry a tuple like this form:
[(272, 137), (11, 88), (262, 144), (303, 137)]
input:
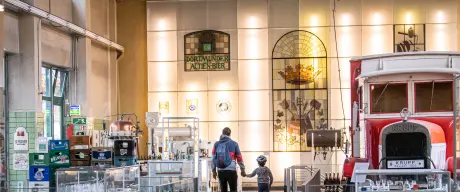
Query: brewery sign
[(20, 161), (207, 51), (21, 139)]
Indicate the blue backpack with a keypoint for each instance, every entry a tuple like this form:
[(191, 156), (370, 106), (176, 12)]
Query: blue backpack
[(222, 159)]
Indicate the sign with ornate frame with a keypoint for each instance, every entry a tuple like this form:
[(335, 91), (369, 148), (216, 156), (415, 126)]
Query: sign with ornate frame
[(21, 139), (192, 106), (207, 50)]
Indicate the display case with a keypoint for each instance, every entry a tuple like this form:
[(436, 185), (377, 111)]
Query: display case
[(402, 180), (148, 184), (206, 175), (122, 179), (189, 184), (170, 168), (80, 179)]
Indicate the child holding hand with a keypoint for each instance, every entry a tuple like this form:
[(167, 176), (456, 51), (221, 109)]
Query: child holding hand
[(264, 175)]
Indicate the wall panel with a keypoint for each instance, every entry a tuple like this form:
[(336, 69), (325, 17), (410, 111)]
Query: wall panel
[(161, 16), (56, 47)]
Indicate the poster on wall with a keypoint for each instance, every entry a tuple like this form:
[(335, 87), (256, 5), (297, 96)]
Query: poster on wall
[(41, 145), (21, 139), (192, 106), (207, 51), (20, 161)]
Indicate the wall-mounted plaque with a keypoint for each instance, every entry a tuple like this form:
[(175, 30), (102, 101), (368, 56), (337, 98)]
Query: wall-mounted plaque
[(207, 51), (21, 139), (20, 161), (164, 107), (223, 107), (192, 106)]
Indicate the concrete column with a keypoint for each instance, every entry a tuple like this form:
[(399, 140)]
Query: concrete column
[(132, 67), (24, 68)]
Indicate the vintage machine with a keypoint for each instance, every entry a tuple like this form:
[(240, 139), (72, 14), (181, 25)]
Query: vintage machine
[(402, 110), (125, 137), (174, 147)]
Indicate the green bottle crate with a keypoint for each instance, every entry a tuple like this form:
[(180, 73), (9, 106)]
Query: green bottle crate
[(39, 159), (59, 158)]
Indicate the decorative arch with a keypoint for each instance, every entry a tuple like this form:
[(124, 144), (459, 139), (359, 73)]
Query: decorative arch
[(300, 99), (299, 44)]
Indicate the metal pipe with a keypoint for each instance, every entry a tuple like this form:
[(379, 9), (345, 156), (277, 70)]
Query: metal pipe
[(7, 114), (457, 76), (355, 131), (287, 179), (75, 28), (294, 186)]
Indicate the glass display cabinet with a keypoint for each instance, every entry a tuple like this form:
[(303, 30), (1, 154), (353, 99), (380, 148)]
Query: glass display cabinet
[(170, 168), (80, 179), (190, 184), (402, 180), (148, 184), (122, 179)]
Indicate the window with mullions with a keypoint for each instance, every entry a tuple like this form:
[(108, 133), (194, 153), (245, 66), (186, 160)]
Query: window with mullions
[(54, 88), (300, 98)]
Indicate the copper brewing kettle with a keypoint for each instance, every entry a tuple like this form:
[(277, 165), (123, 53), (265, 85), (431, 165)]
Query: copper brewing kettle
[(122, 125)]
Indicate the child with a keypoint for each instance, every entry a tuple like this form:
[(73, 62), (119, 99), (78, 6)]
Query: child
[(264, 175)]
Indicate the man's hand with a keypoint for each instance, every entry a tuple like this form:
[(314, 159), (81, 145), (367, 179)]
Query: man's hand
[(243, 174), (214, 175)]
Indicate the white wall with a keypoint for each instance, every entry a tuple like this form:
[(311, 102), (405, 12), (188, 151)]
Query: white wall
[(363, 27)]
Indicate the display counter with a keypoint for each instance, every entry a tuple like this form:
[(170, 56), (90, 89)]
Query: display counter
[(80, 179), (402, 180), (166, 168), (97, 179), (122, 179)]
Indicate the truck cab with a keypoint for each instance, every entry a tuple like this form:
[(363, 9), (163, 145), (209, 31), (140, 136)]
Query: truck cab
[(402, 109)]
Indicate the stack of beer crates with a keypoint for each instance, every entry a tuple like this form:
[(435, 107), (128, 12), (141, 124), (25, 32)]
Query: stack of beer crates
[(80, 150), (101, 156), (39, 170), (59, 157), (125, 154)]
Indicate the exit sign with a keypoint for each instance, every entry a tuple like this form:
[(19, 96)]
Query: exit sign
[(79, 121)]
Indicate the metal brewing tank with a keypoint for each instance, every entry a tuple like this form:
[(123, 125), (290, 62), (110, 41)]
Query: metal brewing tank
[(122, 128)]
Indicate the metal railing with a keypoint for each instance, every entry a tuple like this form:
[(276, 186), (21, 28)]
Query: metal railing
[(310, 178), (297, 175)]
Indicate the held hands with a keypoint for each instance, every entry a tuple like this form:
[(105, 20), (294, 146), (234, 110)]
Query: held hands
[(243, 174)]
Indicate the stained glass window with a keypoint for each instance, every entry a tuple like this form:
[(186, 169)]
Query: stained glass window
[(300, 99)]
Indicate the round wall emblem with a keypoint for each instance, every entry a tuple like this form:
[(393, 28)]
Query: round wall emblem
[(192, 107), (223, 107)]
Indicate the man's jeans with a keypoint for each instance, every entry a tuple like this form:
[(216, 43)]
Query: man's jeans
[(228, 178)]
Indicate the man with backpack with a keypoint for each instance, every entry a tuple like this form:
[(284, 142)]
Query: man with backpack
[(225, 154)]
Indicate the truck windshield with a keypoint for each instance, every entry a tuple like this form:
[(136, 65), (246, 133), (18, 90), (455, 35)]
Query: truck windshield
[(388, 98)]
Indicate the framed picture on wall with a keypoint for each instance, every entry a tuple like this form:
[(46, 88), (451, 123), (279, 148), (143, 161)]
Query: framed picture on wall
[(409, 37)]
